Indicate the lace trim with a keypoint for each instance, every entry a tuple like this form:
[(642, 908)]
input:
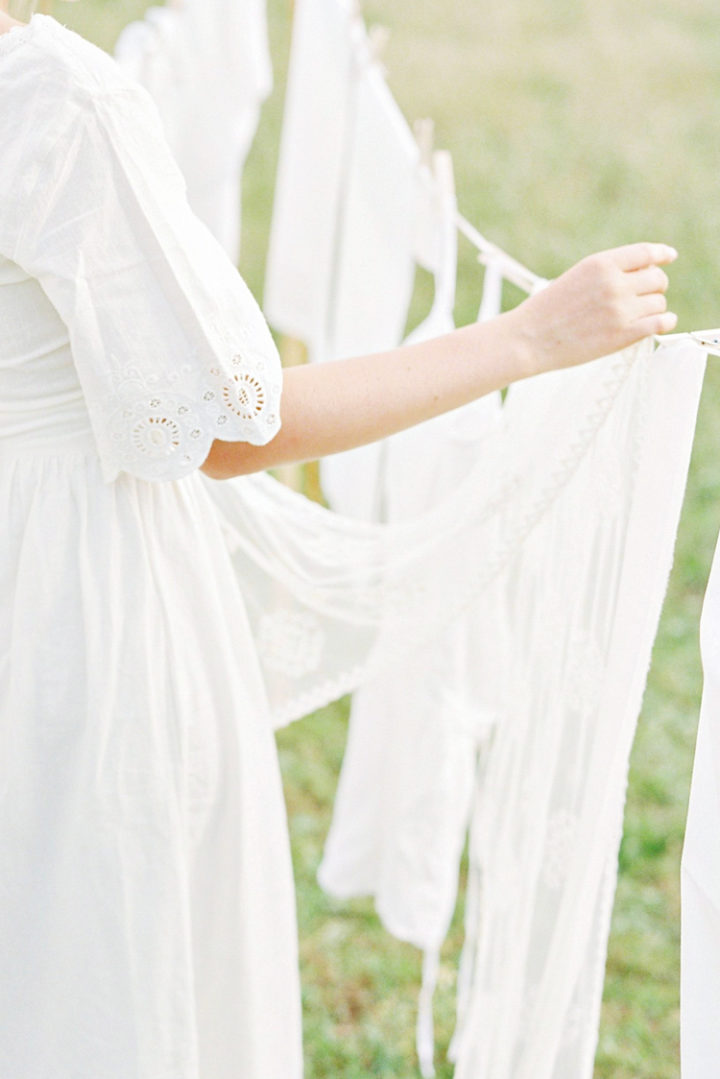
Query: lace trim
[(165, 425)]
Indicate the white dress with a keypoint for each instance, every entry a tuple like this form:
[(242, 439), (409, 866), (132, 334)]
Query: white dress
[(146, 904)]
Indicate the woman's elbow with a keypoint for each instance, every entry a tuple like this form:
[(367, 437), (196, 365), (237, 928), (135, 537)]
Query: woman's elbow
[(228, 459), (218, 465)]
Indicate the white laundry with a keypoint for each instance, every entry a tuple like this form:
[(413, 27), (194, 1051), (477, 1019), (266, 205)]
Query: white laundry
[(583, 599), (571, 514), (700, 964), (413, 732), (311, 170), (403, 801), (375, 267), (206, 64), (347, 190)]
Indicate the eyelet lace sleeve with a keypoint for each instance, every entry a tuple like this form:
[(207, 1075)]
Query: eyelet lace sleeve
[(170, 347)]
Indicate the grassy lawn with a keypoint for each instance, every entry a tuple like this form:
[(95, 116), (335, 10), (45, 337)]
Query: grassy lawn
[(574, 126)]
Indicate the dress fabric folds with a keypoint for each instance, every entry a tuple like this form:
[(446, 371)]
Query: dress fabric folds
[(147, 923)]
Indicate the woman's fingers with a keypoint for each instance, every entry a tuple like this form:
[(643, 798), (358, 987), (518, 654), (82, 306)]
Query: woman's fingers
[(652, 304), (637, 256), (656, 324), (648, 280)]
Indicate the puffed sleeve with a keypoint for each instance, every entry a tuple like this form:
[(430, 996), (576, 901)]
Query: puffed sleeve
[(171, 349)]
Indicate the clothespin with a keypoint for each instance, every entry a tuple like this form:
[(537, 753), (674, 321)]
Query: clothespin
[(707, 339), (442, 166), (378, 37), (425, 137)]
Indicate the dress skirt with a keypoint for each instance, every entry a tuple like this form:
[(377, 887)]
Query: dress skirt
[(147, 926)]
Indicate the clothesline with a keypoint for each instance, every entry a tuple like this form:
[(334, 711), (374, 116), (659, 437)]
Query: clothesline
[(512, 270)]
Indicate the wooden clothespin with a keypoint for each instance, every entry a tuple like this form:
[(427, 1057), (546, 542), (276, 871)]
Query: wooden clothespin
[(378, 37), (425, 137), (442, 167)]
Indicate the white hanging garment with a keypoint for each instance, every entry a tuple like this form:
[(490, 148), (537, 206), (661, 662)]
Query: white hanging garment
[(413, 732), (583, 597), (403, 800), (311, 170), (700, 965), (206, 63), (375, 267), (571, 513), (346, 191)]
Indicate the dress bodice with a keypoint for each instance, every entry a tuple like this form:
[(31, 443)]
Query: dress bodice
[(41, 400)]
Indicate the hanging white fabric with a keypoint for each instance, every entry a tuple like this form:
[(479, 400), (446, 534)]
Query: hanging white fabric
[(347, 190), (402, 806), (398, 734), (570, 513), (206, 64), (583, 599), (311, 169), (374, 266), (700, 966)]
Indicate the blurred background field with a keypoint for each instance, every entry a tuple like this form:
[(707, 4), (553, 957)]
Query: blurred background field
[(573, 126)]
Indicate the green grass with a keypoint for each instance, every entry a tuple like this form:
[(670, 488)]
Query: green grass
[(573, 126)]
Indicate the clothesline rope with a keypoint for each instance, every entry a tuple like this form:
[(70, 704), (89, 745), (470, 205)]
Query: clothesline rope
[(512, 270)]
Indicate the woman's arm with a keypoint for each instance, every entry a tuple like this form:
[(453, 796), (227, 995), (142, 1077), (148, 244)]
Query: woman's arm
[(604, 303)]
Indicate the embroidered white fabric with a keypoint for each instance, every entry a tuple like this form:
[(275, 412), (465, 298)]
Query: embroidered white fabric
[(106, 230)]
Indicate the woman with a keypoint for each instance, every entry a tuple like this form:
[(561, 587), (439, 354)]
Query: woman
[(146, 907)]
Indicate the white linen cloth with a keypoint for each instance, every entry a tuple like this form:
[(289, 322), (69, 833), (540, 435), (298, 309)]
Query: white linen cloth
[(375, 267), (583, 599), (700, 944), (403, 801), (206, 64), (570, 514), (311, 170), (347, 190), (147, 920)]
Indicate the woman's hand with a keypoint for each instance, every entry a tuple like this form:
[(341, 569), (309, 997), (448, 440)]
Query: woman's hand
[(602, 304)]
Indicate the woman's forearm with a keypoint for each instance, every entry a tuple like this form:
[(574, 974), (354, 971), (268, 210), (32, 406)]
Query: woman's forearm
[(603, 304), (335, 406)]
